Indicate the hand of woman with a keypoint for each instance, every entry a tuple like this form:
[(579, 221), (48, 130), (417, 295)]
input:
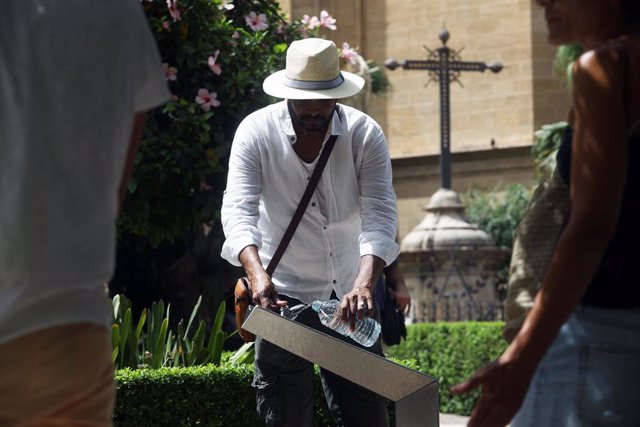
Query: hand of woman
[(503, 384)]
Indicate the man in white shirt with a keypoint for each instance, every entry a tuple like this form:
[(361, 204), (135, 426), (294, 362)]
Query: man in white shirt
[(76, 79), (346, 235)]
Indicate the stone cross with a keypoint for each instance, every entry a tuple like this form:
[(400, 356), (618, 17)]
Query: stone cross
[(444, 65)]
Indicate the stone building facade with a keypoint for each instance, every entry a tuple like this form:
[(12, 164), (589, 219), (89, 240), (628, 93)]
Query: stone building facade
[(493, 117)]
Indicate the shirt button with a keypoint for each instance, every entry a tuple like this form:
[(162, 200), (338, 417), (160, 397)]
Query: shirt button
[(334, 282), (314, 205), (293, 138), (330, 253), (324, 227)]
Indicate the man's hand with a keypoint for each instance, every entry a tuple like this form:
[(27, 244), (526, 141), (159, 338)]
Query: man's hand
[(357, 303), (403, 299), (263, 292)]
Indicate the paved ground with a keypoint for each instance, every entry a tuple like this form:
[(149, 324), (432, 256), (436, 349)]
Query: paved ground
[(453, 420)]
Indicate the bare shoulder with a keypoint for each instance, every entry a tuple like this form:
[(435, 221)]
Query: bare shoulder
[(602, 66), (598, 78)]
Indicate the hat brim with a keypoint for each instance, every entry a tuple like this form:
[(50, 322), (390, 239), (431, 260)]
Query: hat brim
[(274, 86)]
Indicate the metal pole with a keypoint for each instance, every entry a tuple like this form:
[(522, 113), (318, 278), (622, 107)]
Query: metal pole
[(445, 119)]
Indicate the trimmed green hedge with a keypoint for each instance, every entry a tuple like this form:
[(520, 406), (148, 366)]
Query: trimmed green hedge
[(451, 352), (196, 396), (203, 395), (222, 395)]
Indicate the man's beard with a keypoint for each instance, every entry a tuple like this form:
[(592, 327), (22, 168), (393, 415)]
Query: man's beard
[(311, 123)]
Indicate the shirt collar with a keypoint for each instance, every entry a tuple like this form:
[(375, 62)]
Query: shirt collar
[(335, 128)]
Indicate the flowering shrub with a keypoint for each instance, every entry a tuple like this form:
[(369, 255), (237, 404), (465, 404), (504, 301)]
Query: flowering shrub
[(215, 54)]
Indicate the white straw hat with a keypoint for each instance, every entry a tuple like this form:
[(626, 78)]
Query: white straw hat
[(312, 72)]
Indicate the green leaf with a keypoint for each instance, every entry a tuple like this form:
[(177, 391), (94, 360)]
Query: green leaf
[(279, 48), (217, 324), (193, 314), (243, 355), (198, 338), (115, 335), (116, 307), (124, 334), (158, 353), (141, 323), (133, 185), (216, 348)]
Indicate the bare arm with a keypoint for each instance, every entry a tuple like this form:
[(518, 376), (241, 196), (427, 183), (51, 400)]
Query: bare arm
[(134, 143), (598, 173)]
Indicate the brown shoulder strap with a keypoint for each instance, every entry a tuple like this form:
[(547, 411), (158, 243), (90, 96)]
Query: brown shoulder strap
[(304, 201)]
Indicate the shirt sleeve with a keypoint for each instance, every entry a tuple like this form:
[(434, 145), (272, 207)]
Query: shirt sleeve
[(241, 200), (378, 213), (150, 85)]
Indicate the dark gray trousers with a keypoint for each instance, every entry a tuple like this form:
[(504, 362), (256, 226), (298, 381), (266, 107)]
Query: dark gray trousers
[(284, 384)]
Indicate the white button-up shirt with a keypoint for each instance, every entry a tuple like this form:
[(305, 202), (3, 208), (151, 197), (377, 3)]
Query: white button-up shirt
[(352, 212)]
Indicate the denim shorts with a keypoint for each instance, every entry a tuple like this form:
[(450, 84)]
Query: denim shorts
[(590, 375)]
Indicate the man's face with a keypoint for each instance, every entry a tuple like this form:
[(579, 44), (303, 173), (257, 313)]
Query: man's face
[(312, 115)]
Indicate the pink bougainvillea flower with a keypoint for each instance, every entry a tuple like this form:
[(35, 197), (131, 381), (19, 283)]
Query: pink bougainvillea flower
[(169, 72), (257, 22), (166, 26), (207, 99), (327, 20), (348, 55), (310, 23), (226, 5), (173, 10), (215, 68)]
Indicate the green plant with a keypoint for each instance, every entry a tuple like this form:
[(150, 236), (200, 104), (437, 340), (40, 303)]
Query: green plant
[(125, 339), (153, 345), (222, 395), (498, 215), (548, 140), (564, 59), (214, 61), (202, 395), (380, 83), (451, 352), (244, 355)]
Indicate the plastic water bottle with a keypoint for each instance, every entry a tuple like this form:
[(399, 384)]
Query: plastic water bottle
[(365, 333)]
